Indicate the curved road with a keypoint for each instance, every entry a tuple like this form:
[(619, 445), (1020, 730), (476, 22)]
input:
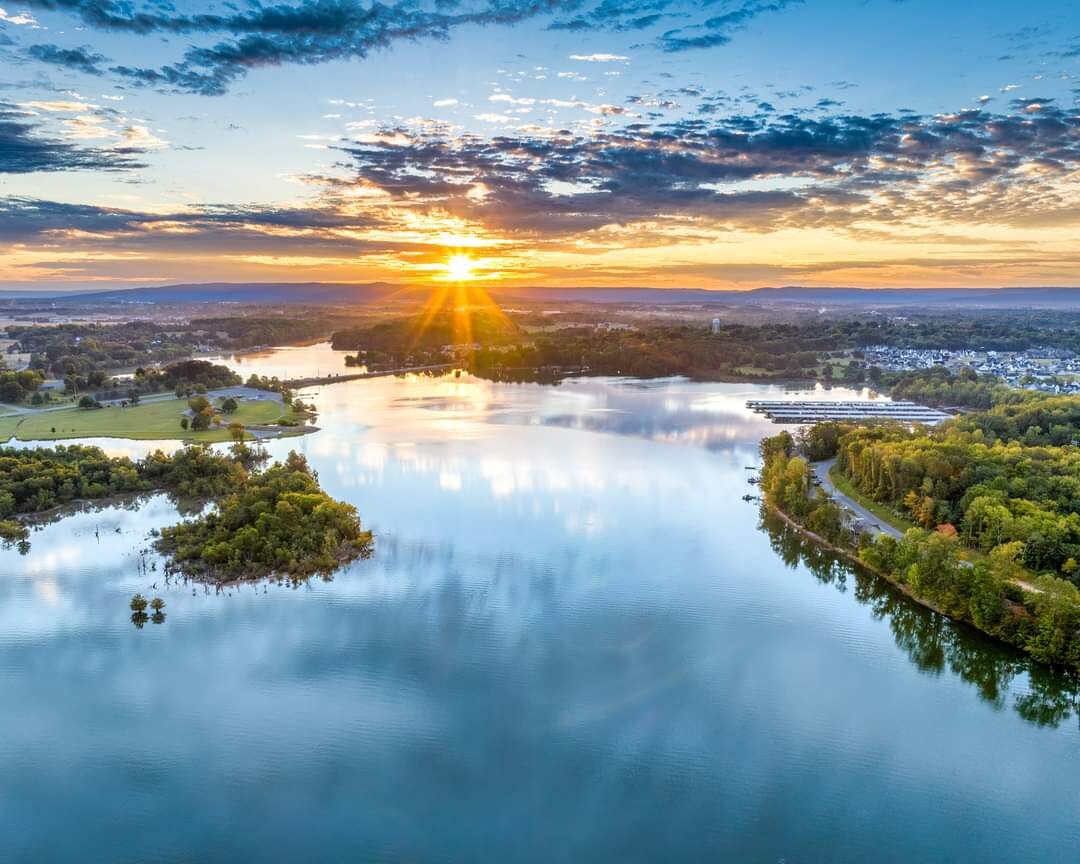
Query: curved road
[(821, 471)]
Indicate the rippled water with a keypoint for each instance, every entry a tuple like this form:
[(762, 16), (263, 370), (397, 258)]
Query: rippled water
[(575, 642)]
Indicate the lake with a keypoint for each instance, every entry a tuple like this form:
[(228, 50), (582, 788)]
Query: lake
[(575, 642)]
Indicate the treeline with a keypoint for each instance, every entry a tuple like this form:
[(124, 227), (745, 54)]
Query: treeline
[(939, 386), (990, 330), (271, 521), (1033, 418), (991, 491), (420, 339), (84, 354), (33, 480), (184, 378), (1048, 698), (20, 386), (252, 330), (502, 350), (692, 350), (78, 351), (1039, 613), (786, 480)]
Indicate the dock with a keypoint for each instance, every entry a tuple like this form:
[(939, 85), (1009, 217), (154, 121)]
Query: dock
[(804, 411)]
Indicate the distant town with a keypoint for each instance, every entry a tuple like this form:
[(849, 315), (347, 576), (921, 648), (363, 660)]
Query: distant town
[(1051, 370)]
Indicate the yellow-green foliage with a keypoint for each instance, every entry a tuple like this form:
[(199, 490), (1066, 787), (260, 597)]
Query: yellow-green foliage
[(993, 491), (277, 522), (1043, 620), (786, 481), (33, 480), (932, 473)]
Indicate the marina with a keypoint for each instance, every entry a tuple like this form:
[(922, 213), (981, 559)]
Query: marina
[(804, 411)]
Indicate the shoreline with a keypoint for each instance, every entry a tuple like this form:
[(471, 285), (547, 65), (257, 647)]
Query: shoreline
[(205, 576), (851, 556)]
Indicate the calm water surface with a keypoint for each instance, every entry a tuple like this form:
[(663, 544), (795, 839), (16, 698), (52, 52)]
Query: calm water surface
[(575, 642)]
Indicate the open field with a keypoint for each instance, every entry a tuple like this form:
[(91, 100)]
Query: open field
[(157, 420), (7, 426)]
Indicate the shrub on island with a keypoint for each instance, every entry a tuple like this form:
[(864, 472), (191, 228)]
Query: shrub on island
[(278, 522)]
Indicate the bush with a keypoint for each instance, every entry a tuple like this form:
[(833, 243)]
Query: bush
[(278, 521)]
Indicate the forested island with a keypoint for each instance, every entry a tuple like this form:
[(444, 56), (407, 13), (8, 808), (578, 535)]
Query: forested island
[(279, 521), (266, 522), (994, 496)]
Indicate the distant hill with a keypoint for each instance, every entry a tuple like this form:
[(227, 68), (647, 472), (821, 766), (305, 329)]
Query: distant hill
[(994, 297), (337, 294), (261, 293), (1017, 298)]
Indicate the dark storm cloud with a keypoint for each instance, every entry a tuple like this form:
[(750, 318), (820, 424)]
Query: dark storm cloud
[(717, 30), (621, 15), (78, 59), (23, 148), (278, 230), (308, 32), (318, 31)]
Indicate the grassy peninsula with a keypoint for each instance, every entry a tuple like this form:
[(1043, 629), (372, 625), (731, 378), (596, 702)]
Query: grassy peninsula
[(147, 421)]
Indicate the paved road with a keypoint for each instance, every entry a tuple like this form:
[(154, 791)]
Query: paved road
[(821, 471)]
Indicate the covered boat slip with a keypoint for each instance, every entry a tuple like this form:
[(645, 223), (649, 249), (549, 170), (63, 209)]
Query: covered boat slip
[(805, 411)]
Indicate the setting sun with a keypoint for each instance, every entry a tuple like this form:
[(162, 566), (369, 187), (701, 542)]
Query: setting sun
[(459, 268)]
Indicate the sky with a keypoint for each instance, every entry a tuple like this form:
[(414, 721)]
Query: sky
[(724, 144)]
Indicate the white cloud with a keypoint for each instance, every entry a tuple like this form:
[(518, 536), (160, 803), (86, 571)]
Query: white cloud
[(506, 97), (58, 106), (23, 18), (140, 136), (445, 103), (87, 126), (600, 58)]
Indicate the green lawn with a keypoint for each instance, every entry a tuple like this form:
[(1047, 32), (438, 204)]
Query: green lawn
[(884, 514), (7, 426), (148, 421)]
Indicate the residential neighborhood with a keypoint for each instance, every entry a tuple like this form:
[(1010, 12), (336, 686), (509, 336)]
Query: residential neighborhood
[(1052, 370)]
